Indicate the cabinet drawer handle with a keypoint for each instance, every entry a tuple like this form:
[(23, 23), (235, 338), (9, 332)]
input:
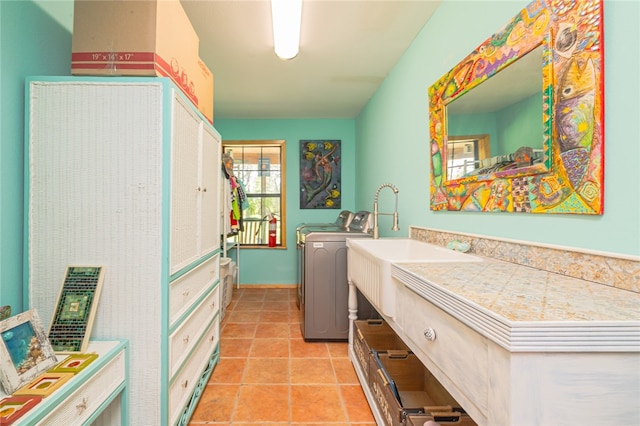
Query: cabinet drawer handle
[(212, 338), (82, 406), (184, 384), (186, 293), (430, 334), (204, 189), (384, 380), (185, 339)]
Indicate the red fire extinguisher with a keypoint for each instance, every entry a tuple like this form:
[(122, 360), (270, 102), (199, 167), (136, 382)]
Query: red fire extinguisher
[(273, 222)]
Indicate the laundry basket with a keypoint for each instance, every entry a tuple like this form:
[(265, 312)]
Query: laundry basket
[(227, 273), (230, 280)]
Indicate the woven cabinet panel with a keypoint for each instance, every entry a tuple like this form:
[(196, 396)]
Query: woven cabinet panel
[(185, 186), (95, 195), (210, 220)]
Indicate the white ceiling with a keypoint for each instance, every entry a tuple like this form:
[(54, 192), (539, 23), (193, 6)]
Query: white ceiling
[(347, 48)]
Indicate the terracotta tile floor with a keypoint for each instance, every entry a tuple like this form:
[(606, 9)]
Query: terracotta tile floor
[(268, 374)]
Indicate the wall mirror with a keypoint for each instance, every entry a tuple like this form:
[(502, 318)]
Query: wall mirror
[(517, 125)]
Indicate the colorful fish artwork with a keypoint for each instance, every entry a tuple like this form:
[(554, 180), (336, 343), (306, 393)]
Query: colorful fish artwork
[(575, 119), (436, 163), (320, 174), (569, 178)]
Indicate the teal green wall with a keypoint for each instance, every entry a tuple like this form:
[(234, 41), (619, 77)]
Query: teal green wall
[(387, 142), (476, 124), (31, 42), (520, 125), (392, 133), (279, 266)]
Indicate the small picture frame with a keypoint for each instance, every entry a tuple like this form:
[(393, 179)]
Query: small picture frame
[(45, 384), (76, 309), (25, 351), (5, 312), (14, 407), (74, 363)]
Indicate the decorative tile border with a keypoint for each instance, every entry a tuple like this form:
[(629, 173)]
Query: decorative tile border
[(609, 269)]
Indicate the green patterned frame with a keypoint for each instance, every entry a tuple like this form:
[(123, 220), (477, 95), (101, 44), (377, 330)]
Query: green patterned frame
[(76, 309), (571, 178)]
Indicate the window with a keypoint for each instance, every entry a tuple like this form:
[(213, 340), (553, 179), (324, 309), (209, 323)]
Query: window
[(464, 154), (260, 167)]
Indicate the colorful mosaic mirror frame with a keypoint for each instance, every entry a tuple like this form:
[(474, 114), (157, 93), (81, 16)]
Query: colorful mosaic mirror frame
[(571, 177)]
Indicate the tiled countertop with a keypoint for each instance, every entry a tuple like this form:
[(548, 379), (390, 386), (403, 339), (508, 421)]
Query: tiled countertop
[(512, 303), (521, 293)]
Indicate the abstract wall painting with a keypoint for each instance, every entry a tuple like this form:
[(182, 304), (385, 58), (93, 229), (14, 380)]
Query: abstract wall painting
[(320, 174)]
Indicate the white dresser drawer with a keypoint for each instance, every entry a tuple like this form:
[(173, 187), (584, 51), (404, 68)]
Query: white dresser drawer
[(455, 348), (90, 395), (182, 341), (183, 384), (186, 289)]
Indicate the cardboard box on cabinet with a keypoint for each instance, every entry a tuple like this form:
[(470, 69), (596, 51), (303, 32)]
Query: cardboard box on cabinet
[(203, 83), (141, 38)]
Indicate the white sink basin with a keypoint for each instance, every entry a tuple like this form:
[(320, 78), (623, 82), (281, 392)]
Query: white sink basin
[(369, 265)]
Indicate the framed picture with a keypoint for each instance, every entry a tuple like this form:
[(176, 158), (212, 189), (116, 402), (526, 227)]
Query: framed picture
[(76, 309), (5, 312), (25, 351), (14, 407), (74, 363), (320, 174), (45, 384)]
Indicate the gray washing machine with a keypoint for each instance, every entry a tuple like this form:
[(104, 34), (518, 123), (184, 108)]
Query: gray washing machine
[(323, 294), (342, 222)]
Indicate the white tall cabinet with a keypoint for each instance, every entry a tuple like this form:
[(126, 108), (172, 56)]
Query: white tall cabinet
[(124, 173)]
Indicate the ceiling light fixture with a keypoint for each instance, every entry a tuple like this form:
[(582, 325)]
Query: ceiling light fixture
[(286, 16)]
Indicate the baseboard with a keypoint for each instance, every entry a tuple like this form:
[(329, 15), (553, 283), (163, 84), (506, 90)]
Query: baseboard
[(288, 286)]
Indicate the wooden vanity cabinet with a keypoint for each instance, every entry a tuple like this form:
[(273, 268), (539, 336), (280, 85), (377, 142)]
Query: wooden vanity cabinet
[(456, 355), (513, 371), (507, 365)]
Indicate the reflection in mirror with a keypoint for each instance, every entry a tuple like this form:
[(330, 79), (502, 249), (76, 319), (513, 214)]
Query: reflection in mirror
[(464, 154), (507, 110)]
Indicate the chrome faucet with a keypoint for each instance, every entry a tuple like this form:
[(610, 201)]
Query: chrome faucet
[(376, 233)]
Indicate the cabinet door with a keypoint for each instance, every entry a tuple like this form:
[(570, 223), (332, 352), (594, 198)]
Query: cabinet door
[(185, 188), (209, 209)]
